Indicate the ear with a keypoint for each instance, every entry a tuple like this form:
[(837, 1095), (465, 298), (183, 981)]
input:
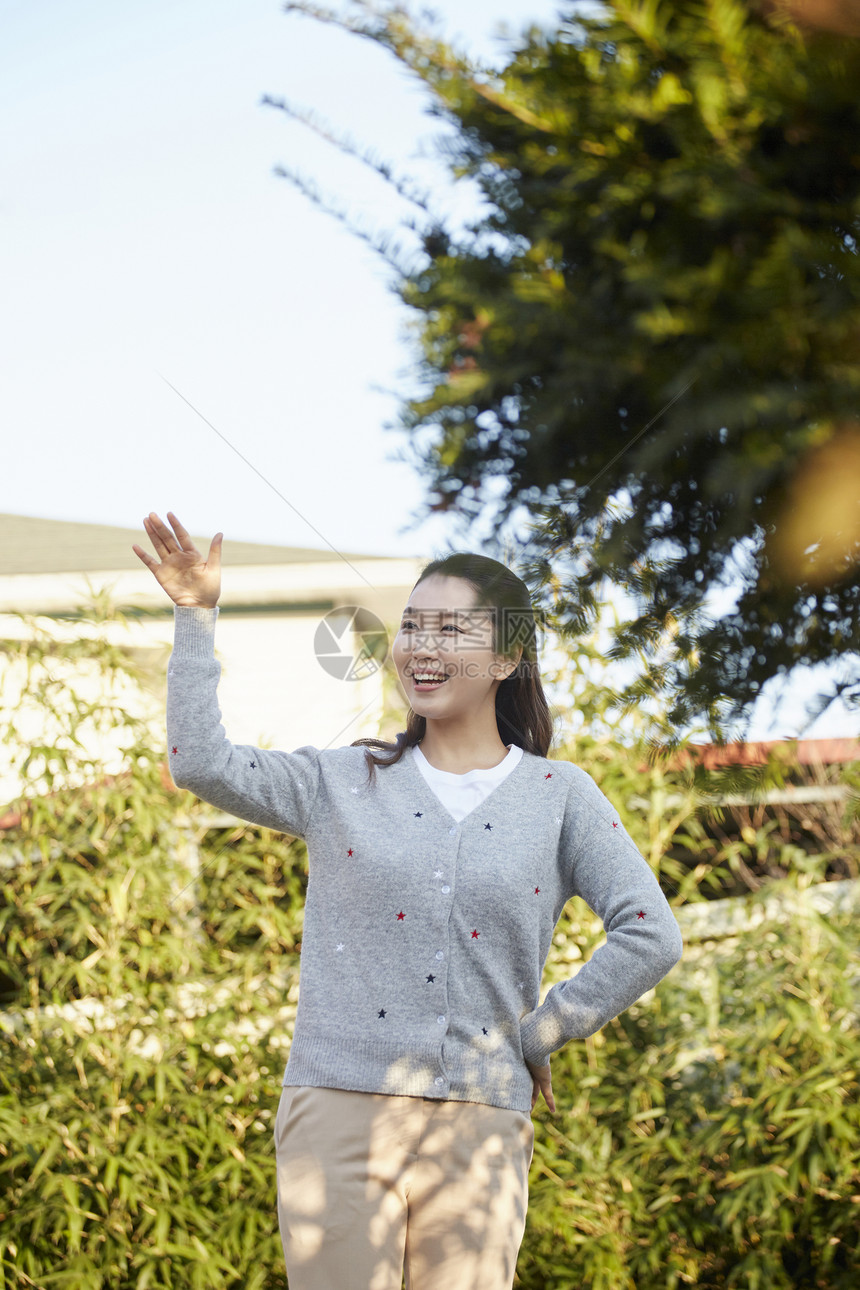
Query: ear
[(506, 667)]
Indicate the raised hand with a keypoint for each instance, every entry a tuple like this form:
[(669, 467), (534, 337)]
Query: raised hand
[(188, 579)]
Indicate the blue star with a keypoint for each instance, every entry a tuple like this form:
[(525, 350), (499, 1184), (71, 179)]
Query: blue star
[(381, 1012), (418, 815), (488, 826)]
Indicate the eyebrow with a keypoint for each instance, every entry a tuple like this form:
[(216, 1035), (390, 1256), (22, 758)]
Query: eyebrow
[(446, 613)]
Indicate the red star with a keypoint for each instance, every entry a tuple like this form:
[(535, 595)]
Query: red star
[(615, 824), (176, 750), (475, 934), (641, 913), (349, 852), (548, 775), (401, 916), (537, 891)]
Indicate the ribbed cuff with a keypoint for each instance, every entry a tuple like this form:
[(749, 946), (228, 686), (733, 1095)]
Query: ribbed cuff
[(194, 631), (541, 1034)]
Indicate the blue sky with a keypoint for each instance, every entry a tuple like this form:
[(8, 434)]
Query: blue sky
[(144, 239), (145, 236)]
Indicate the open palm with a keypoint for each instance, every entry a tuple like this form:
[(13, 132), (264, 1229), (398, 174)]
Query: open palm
[(188, 578)]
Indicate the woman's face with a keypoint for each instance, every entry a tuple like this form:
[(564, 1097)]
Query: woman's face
[(443, 650)]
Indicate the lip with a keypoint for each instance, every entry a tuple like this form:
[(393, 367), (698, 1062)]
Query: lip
[(424, 687)]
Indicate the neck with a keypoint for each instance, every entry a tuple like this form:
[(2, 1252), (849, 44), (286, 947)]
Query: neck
[(458, 750)]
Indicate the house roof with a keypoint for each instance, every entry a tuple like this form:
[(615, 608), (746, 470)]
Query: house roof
[(29, 544), (805, 752)]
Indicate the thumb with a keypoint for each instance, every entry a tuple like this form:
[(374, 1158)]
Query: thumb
[(214, 558)]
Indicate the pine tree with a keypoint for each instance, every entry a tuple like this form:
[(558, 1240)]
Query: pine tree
[(649, 340)]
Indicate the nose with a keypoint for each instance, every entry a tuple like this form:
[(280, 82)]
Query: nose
[(424, 648)]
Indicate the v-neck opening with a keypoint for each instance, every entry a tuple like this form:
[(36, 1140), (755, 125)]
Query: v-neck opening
[(414, 768)]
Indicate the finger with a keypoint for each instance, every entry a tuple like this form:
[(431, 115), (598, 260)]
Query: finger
[(213, 560), (181, 532), (171, 543), (548, 1097), (159, 535), (144, 556)]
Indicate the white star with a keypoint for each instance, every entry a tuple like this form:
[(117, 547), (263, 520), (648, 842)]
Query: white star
[(519, 985), (354, 790), (438, 873), (559, 820), (339, 948)]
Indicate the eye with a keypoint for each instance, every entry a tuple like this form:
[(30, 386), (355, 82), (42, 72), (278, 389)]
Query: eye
[(453, 626), (407, 625)]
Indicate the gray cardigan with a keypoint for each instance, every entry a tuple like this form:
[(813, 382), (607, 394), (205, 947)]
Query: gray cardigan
[(424, 940)]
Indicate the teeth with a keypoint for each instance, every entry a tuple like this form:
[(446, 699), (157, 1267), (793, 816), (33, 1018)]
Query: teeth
[(428, 676)]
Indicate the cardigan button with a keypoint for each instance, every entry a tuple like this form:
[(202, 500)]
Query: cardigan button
[(439, 954), (438, 1080), (445, 889), (453, 828), (441, 1020)]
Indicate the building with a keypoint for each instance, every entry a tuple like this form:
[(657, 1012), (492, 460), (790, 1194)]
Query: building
[(301, 632)]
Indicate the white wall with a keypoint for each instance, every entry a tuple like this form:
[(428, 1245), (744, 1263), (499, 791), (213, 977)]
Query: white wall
[(273, 691)]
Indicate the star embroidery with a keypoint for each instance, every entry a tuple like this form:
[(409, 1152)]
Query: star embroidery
[(349, 852), (253, 765), (475, 934), (484, 1030), (548, 775), (488, 826), (615, 824), (438, 873), (175, 750), (431, 977), (353, 790), (537, 891), (418, 815), (339, 948), (401, 916), (559, 820), (641, 913), (381, 1013)]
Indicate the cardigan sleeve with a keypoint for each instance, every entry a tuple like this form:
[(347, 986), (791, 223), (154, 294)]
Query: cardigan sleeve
[(275, 789), (643, 940)]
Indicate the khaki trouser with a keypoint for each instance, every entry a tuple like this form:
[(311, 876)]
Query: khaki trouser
[(370, 1184)]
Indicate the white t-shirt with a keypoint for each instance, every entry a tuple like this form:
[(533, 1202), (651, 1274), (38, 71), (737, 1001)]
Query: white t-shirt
[(460, 794)]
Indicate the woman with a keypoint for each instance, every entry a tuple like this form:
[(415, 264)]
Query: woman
[(438, 868)]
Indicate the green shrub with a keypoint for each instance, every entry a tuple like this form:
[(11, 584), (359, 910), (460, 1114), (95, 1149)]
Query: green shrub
[(149, 967), (710, 1136)]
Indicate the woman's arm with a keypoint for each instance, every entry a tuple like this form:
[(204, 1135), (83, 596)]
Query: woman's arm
[(643, 940), (275, 789)]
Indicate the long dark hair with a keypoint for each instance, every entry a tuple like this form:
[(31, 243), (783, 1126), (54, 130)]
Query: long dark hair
[(522, 712)]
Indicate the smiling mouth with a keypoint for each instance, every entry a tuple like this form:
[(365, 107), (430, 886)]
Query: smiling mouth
[(428, 680)]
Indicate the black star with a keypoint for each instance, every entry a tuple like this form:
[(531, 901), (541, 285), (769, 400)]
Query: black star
[(381, 1012), (484, 1030), (418, 815), (488, 826), (431, 977), (253, 765)]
